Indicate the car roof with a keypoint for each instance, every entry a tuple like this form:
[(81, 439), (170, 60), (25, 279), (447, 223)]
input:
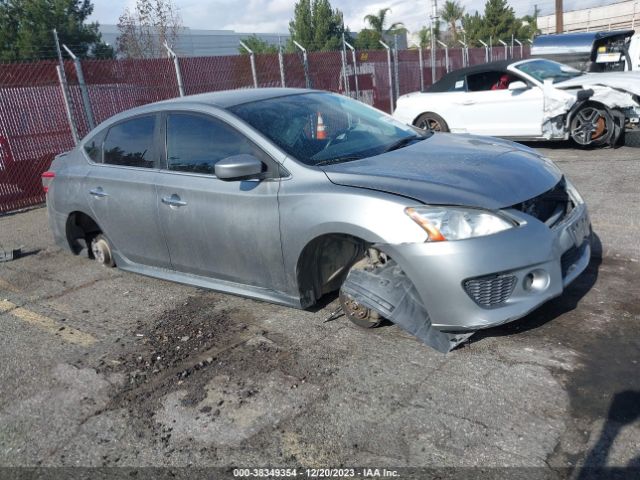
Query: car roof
[(223, 99), (447, 82)]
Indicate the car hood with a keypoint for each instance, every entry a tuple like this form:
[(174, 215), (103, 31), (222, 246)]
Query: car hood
[(626, 81), (453, 169)]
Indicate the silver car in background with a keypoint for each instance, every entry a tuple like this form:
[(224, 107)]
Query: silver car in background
[(286, 195)]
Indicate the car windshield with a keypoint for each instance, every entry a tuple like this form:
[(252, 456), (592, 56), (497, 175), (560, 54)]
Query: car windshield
[(543, 70), (323, 128)]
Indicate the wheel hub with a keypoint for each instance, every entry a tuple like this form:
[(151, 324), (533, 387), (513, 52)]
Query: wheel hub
[(358, 313)]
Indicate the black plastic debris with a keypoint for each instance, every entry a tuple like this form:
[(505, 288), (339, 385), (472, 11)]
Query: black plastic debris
[(388, 291)]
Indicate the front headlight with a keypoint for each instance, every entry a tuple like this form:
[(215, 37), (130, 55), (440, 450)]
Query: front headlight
[(456, 223)]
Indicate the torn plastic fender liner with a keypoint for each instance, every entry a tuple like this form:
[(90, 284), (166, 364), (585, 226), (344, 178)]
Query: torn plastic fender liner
[(387, 290)]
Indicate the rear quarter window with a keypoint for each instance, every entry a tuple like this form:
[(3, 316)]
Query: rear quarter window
[(93, 147)]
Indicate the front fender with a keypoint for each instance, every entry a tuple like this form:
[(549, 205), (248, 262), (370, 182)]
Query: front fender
[(371, 216)]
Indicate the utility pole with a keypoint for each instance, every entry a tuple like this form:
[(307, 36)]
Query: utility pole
[(559, 19), (432, 30)]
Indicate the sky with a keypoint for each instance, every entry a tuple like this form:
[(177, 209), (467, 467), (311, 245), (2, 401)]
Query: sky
[(273, 16)]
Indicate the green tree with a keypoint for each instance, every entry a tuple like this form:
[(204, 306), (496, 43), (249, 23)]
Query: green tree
[(145, 28), (424, 35), (498, 23), (377, 23), (316, 25), (26, 29), (257, 45), (451, 13), (368, 39), (529, 27)]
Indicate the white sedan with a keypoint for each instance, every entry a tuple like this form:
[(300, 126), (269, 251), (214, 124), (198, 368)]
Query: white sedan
[(535, 99)]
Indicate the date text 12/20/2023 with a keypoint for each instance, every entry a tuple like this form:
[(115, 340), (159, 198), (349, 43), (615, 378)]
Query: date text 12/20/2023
[(315, 472)]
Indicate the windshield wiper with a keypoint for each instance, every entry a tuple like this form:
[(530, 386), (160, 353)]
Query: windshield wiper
[(402, 142), (330, 161)]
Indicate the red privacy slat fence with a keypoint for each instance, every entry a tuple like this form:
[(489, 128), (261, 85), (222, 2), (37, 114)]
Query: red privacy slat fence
[(34, 124)]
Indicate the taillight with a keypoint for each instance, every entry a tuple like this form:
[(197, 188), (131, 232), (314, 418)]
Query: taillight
[(46, 180)]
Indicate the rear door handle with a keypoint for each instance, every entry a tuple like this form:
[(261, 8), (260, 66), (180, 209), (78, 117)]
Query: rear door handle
[(468, 102), (174, 201), (98, 192)]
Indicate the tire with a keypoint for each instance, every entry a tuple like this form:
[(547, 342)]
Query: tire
[(358, 314), (592, 126), (431, 121), (101, 251), (632, 139)]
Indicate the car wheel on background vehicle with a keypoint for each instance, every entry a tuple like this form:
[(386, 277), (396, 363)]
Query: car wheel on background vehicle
[(431, 121), (592, 126), (101, 251)]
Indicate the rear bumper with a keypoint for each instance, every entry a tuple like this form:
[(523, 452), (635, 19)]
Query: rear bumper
[(440, 271)]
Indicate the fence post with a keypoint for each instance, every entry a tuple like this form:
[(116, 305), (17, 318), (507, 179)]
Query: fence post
[(62, 77), (390, 76), (465, 54), (345, 76), (281, 63), (67, 104), (395, 65), (506, 49), (252, 59), (521, 47), (486, 51), (83, 88), (305, 64), (446, 55), (355, 67), (176, 65)]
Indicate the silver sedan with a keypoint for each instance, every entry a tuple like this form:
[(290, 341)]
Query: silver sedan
[(286, 195)]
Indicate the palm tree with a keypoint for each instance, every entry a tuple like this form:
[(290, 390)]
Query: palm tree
[(451, 13), (376, 22)]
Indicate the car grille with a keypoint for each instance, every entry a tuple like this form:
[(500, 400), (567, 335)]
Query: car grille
[(571, 256), (491, 290), (549, 207)]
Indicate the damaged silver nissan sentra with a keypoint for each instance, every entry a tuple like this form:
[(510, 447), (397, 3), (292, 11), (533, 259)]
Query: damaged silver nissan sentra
[(286, 195)]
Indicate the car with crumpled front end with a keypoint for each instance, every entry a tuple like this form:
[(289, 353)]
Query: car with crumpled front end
[(287, 195)]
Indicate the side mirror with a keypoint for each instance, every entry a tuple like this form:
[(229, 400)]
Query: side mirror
[(238, 167), (515, 86)]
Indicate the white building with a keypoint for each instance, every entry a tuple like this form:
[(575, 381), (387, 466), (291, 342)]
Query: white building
[(202, 43), (620, 15)]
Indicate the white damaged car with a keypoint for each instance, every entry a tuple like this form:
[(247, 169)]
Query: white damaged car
[(534, 99)]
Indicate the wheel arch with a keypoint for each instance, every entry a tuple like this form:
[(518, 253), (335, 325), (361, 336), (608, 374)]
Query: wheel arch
[(80, 228), (324, 261)]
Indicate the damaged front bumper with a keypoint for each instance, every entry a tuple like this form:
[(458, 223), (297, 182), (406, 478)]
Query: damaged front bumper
[(444, 291), (479, 283)]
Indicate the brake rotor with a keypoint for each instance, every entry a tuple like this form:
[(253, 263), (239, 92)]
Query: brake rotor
[(358, 313)]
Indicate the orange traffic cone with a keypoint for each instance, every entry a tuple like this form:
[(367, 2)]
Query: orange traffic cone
[(321, 133)]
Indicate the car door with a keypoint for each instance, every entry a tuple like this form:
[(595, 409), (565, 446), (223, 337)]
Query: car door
[(121, 190), (503, 113), (227, 230)]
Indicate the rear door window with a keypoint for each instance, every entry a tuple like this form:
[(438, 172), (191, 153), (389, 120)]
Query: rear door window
[(130, 143), (195, 143)]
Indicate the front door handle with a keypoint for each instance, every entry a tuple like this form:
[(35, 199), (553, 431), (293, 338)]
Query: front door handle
[(98, 192), (468, 102), (174, 201)]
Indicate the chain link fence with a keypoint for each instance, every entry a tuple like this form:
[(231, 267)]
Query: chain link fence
[(42, 111)]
